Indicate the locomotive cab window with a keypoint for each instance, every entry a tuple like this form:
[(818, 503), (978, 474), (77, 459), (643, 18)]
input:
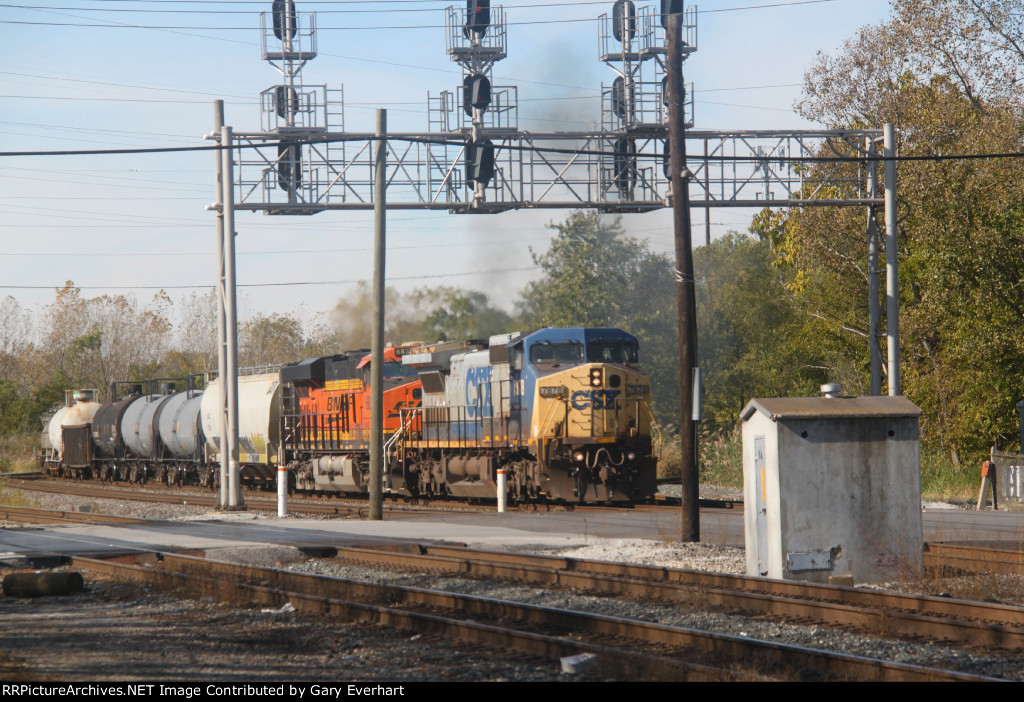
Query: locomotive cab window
[(515, 357), (571, 352), (392, 369), (611, 352)]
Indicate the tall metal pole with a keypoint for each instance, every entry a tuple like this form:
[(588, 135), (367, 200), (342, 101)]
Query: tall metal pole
[(892, 275), (377, 344), (689, 528), (229, 380), (874, 305), (222, 408)]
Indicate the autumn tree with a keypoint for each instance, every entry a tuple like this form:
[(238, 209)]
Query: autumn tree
[(95, 341), (946, 74)]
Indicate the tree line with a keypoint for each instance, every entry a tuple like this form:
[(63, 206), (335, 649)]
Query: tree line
[(781, 309)]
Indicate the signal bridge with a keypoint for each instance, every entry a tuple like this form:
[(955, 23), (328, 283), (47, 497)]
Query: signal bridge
[(474, 158)]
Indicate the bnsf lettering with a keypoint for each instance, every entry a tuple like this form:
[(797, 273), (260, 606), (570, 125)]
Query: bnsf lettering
[(596, 399), (337, 404)]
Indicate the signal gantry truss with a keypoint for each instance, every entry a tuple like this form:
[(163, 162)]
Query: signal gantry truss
[(474, 158)]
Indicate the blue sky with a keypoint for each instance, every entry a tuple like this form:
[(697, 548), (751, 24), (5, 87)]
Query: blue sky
[(140, 220)]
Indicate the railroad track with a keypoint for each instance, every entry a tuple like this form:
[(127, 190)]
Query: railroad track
[(627, 649), (869, 611), (953, 559), (348, 505)]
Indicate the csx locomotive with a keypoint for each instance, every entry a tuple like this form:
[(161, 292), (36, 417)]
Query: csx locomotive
[(565, 413)]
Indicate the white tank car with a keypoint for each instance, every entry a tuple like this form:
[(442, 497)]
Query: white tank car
[(137, 428), (259, 422), (179, 424), (81, 408)]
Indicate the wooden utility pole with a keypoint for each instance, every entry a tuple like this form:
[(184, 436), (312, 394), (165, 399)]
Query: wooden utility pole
[(689, 527)]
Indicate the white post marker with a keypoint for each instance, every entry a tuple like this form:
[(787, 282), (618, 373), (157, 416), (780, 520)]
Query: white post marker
[(501, 490), (282, 491)]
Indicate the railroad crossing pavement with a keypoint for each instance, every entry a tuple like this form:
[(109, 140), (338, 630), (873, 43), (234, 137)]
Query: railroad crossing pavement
[(484, 530)]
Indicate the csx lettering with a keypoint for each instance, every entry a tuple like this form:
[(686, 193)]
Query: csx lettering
[(478, 391), (596, 399)]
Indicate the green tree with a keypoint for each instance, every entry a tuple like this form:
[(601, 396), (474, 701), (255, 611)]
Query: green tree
[(748, 329), (423, 314), (454, 313), (594, 275), (946, 74)]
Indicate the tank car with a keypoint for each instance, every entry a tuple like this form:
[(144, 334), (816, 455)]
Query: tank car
[(66, 446), (134, 436), (564, 412), (259, 425)]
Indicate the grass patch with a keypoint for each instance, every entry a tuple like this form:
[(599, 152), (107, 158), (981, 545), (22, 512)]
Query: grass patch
[(720, 457), (944, 480), (15, 498), (721, 463), (18, 453)]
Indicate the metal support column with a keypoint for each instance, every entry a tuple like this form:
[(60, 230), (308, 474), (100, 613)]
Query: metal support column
[(377, 343), (229, 376), (874, 305), (222, 408), (892, 276)]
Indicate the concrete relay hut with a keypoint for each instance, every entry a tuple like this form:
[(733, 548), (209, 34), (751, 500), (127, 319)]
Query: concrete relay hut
[(832, 487)]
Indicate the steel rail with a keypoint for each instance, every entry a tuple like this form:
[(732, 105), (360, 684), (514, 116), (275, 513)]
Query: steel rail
[(303, 503), (718, 653), (960, 558), (869, 611), (47, 516)]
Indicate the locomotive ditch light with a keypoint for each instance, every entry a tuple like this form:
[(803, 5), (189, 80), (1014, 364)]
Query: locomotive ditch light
[(595, 378), (579, 456), (630, 456)]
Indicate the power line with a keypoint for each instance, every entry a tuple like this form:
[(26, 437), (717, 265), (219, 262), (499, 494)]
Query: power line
[(536, 149), (123, 25), (269, 285)]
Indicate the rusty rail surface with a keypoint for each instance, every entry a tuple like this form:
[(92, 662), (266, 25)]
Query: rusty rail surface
[(637, 650), (972, 558), (305, 503), (336, 505), (34, 515), (870, 611)]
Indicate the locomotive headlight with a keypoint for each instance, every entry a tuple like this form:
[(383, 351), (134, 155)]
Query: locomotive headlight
[(630, 456), (595, 378), (579, 456)]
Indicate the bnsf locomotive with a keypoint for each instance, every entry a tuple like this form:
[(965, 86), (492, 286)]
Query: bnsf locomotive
[(565, 413)]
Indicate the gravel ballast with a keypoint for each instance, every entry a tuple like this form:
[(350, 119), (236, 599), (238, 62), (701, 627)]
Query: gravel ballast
[(147, 635)]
